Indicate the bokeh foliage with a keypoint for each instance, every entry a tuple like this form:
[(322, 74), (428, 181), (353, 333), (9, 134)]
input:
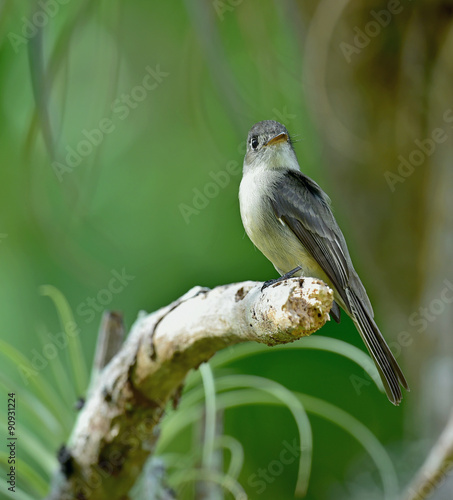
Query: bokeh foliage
[(133, 204)]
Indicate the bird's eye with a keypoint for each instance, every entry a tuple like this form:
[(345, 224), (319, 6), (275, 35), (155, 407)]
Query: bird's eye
[(254, 142)]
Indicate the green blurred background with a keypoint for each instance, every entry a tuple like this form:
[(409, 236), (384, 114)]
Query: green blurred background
[(130, 202)]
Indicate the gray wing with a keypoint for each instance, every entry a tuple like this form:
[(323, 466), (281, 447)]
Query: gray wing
[(301, 204), (305, 208)]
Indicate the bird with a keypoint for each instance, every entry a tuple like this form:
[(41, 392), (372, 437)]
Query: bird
[(288, 217)]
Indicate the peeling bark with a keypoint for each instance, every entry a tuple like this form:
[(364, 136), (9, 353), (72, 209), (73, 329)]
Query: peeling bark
[(117, 429)]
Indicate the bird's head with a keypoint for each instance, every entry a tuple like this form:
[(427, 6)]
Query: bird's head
[(269, 145)]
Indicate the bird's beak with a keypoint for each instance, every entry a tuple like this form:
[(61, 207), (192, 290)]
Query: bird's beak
[(282, 137)]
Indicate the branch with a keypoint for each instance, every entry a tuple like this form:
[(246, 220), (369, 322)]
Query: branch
[(116, 430), (438, 465)]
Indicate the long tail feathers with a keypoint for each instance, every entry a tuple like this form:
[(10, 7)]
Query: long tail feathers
[(386, 364)]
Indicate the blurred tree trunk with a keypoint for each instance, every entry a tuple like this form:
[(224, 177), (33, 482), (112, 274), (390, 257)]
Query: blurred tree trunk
[(378, 77)]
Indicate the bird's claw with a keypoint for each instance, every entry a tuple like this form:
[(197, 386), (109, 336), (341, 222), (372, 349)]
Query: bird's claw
[(286, 276)]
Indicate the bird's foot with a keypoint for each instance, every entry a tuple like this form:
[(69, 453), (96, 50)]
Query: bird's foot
[(286, 276)]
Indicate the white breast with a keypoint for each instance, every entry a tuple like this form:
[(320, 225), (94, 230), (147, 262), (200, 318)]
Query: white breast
[(268, 233), (256, 211)]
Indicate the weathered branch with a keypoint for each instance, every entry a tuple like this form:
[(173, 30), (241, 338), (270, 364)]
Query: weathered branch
[(116, 430), (437, 467)]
